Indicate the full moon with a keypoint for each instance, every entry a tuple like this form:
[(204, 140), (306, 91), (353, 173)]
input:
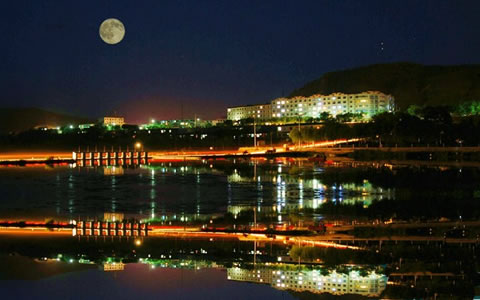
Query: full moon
[(112, 31)]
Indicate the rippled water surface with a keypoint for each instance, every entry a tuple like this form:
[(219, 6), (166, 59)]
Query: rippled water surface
[(196, 188), (181, 266)]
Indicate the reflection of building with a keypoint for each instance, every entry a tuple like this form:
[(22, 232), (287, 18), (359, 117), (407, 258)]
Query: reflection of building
[(180, 263), (366, 103), (275, 188), (115, 121), (292, 191), (111, 228), (237, 209), (313, 281), (112, 170), (113, 217), (113, 266)]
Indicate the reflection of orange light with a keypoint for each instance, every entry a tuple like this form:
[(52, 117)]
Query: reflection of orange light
[(36, 231)]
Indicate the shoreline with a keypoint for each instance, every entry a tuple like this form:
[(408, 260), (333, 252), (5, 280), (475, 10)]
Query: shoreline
[(22, 158)]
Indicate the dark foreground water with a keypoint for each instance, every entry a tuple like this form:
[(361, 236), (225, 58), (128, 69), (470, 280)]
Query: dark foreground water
[(48, 267), (173, 190), (139, 281), (279, 191)]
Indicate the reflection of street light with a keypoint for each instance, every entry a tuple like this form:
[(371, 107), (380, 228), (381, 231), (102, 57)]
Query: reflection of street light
[(138, 242), (138, 145)]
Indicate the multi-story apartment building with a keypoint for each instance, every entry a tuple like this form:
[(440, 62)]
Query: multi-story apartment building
[(260, 111), (366, 103)]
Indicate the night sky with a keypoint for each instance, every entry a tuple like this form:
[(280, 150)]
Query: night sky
[(207, 55)]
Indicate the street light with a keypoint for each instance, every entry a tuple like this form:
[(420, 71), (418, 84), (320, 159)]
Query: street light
[(379, 137), (254, 132)]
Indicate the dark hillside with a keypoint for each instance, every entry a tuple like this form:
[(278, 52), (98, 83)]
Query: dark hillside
[(20, 119), (409, 83)]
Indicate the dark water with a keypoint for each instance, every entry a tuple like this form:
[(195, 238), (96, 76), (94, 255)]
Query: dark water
[(184, 268), (177, 189), (147, 281), (172, 190), (139, 281), (45, 267)]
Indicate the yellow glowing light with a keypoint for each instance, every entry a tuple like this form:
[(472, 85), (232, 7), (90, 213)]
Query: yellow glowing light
[(138, 242), (138, 145)]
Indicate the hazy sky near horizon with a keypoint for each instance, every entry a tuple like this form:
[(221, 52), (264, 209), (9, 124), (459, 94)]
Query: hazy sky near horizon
[(203, 56)]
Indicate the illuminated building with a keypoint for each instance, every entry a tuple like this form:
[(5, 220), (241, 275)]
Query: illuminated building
[(183, 123), (217, 122), (260, 111), (367, 103), (371, 285), (114, 121), (113, 266), (85, 126)]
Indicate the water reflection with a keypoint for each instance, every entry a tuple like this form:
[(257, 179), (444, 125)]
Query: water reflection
[(195, 190), (283, 188), (187, 204), (412, 269), (356, 280), (314, 280)]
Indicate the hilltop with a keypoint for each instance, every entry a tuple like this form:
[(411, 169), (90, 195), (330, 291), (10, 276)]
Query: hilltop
[(409, 83), (20, 119)]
